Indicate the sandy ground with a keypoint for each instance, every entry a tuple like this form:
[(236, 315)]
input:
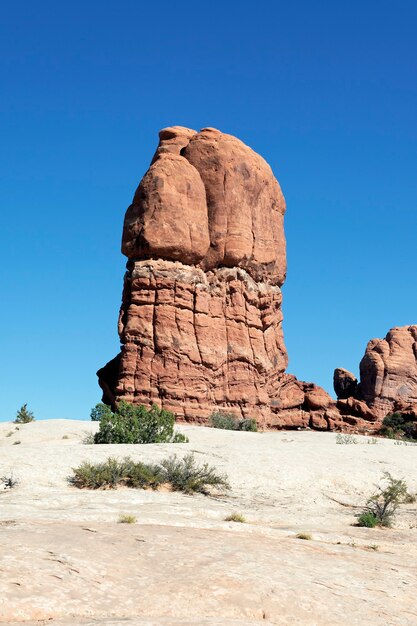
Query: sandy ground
[(65, 559)]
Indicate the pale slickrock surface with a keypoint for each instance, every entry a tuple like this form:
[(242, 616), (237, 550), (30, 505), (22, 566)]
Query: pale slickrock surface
[(64, 559)]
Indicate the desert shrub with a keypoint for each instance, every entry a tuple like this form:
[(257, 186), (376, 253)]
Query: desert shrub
[(99, 411), (185, 475), (24, 416), (248, 424), (127, 519), (368, 519), (228, 421), (87, 438), (137, 424), (110, 473), (381, 507), (345, 439), (180, 474), (304, 536), (235, 517), (398, 425)]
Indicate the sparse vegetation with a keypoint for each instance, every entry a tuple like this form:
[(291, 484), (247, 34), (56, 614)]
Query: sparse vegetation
[(228, 421), (9, 481), (373, 546), (88, 438), (399, 426), (10, 433), (24, 416), (235, 517), (137, 424), (304, 536), (381, 507), (16, 443), (178, 474), (372, 441), (127, 519), (345, 439), (65, 436)]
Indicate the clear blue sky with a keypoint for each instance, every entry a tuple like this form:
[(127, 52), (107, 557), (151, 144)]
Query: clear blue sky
[(325, 91)]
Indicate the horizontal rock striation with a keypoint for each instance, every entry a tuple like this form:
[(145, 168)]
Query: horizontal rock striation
[(194, 341)]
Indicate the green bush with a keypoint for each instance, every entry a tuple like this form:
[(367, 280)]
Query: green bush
[(137, 424), (397, 425), (381, 508), (228, 421), (180, 474), (24, 416), (99, 411), (368, 519)]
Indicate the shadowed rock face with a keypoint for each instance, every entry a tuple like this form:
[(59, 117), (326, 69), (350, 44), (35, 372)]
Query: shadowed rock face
[(201, 320)]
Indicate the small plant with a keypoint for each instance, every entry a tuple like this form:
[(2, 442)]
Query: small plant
[(372, 441), (396, 425), (367, 519), (304, 536), (235, 517), (381, 508), (9, 481), (137, 424), (345, 439), (99, 411), (16, 443), (185, 475), (24, 416), (88, 438), (228, 421), (10, 433), (179, 438), (65, 437), (127, 519), (372, 546)]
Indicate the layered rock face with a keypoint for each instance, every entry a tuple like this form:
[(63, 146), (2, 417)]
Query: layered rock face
[(388, 378)]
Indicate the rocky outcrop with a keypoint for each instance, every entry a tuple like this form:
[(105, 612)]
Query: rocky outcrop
[(201, 321), (201, 318), (388, 378)]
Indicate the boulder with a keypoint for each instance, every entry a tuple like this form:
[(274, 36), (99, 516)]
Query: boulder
[(344, 383)]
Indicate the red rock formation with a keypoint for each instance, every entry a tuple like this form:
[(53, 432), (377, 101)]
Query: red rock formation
[(388, 377), (201, 321)]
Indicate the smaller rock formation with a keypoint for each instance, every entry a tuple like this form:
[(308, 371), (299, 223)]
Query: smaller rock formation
[(388, 378), (345, 383)]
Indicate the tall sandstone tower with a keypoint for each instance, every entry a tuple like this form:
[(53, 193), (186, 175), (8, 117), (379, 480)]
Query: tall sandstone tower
[(201, 320)]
